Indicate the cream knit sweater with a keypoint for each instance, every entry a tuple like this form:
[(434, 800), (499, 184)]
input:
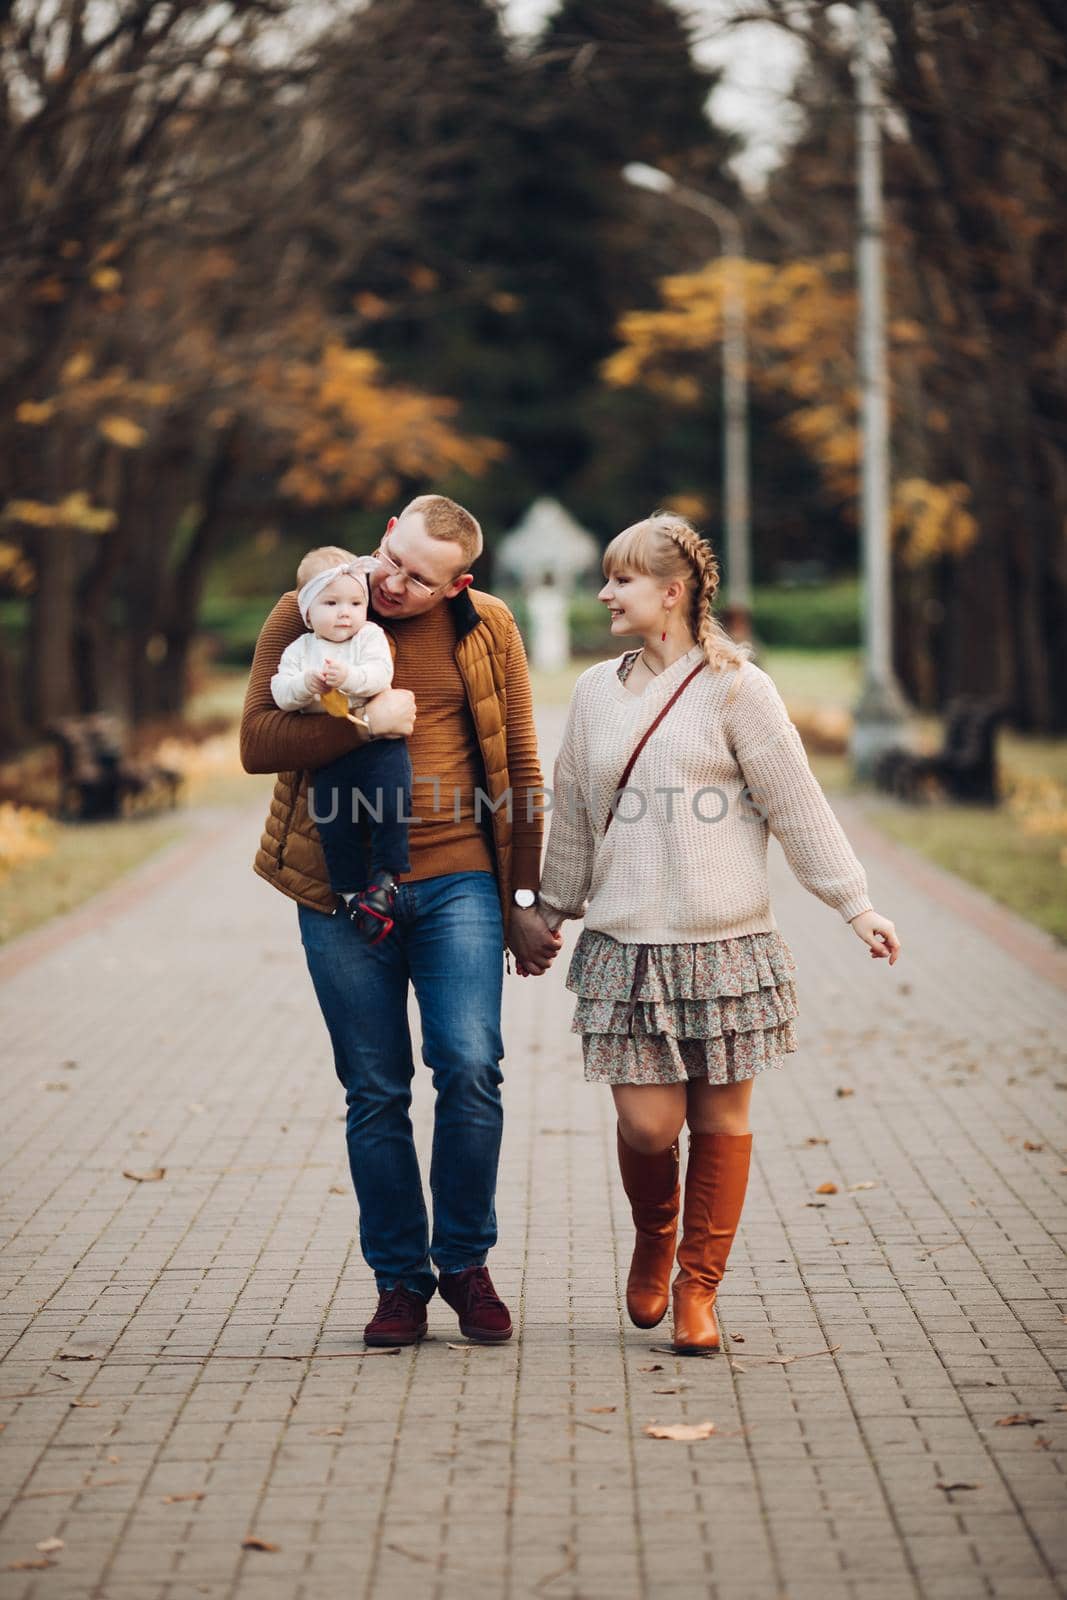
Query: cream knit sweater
[(719, 774)]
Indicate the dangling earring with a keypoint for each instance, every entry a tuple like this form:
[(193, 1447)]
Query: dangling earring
[(663, 635)]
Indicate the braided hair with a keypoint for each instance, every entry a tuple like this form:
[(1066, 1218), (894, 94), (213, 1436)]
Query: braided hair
[(666, 546)]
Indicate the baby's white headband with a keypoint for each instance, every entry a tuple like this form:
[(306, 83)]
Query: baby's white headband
[(322, 580)]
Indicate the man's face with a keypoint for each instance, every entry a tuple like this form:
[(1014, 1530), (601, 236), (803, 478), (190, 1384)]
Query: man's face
[(433, 563)]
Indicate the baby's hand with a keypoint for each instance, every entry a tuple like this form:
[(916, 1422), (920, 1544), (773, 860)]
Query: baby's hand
[(333, 673), (314, 682)]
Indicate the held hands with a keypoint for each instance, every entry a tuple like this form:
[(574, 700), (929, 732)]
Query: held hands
[(532, 942), (333, 673), (878, 933)]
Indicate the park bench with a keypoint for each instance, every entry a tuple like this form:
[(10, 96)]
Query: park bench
[(965, 768), (97, 779)]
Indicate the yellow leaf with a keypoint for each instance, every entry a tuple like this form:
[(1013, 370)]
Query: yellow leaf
[(78, 367), (121, 431), (106, 279), (35, 412)]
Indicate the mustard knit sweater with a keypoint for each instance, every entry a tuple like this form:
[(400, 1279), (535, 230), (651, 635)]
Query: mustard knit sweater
[(685, 857)]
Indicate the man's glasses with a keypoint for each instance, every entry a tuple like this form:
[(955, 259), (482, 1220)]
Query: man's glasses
[(398, 572)]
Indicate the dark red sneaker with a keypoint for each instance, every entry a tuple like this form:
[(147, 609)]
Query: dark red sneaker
[(399, 1319), (483, 1316)]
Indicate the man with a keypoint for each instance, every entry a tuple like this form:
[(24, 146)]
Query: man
[(475, 855)]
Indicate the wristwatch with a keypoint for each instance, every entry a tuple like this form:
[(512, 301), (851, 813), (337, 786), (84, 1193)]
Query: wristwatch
[(524, 898)]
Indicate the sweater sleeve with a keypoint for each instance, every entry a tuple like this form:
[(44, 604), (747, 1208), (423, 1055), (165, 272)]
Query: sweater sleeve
[(285, 741), (524, 767), (373, 672), (568, 867), (774, 763), (288, 689)]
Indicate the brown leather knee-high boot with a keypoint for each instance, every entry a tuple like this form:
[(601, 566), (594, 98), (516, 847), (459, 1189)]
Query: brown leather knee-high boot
[(651, 1184), (716, 1178)]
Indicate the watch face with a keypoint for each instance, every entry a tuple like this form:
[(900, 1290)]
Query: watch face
[(524, 898)]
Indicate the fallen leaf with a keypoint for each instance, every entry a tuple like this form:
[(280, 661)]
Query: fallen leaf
[(1028, 1144), (48, 1546), (152, 1176), (1018, 1419), (175, 1499), (656, 1367), (374, 1350), (950, 1487), (29, 1566), (842, 1093), (1041, 1443), (813, 1139), (674, 1388), (329, 1433), (76, 1355), (816, 1205), (868, 1183), (827, 1188), (839, 1241), (258, 1544), (738, 1338), (684, 1431), (86, 1405), (600, 1411)]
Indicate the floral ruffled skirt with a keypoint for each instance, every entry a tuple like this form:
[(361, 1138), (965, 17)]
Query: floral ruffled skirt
[(665, 1013)]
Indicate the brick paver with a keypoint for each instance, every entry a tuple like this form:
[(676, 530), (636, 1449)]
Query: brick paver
[(214, 1314)]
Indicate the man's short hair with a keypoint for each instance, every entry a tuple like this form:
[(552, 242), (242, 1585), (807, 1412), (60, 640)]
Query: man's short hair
[(316, 561), (445, 519)]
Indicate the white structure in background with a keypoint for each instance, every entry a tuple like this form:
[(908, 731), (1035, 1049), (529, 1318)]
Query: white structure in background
[(546, 554)]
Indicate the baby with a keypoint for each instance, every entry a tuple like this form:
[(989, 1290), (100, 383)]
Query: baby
[(344, 651)]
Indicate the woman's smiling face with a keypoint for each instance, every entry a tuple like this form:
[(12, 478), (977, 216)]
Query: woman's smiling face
[(634, 601)]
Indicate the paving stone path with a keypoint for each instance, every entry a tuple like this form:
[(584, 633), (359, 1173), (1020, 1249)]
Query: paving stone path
[(182, 1363)]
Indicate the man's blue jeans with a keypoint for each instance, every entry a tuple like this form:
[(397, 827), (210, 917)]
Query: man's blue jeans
[(449, 942)]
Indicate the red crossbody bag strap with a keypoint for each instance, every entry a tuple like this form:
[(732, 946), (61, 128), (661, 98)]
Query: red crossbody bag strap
[(649, 731)]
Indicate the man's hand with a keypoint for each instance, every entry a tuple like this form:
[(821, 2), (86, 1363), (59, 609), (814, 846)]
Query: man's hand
[(532, 942), (391, 714), (315, 682)]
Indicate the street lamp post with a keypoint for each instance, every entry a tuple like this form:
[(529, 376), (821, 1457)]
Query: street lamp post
[(881, 709), (737, 615)]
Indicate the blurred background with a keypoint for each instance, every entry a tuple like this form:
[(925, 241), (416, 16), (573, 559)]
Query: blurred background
[(268, 268)]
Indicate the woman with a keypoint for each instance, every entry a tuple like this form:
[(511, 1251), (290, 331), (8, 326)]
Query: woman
[(684, 983)]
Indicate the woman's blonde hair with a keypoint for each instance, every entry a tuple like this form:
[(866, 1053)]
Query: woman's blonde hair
[(665, 547)]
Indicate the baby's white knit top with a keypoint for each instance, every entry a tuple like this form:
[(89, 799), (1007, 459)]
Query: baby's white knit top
[(367, 655), (685, 858)]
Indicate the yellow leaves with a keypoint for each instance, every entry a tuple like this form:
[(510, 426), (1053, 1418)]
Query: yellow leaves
[(371, 306), (49, 291), (346, 434), (25, 835), (106, 279), (77, 368), (17, 574), (1039, 803), (122, 431), (35, 413), (932, 520), (74, 511)]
